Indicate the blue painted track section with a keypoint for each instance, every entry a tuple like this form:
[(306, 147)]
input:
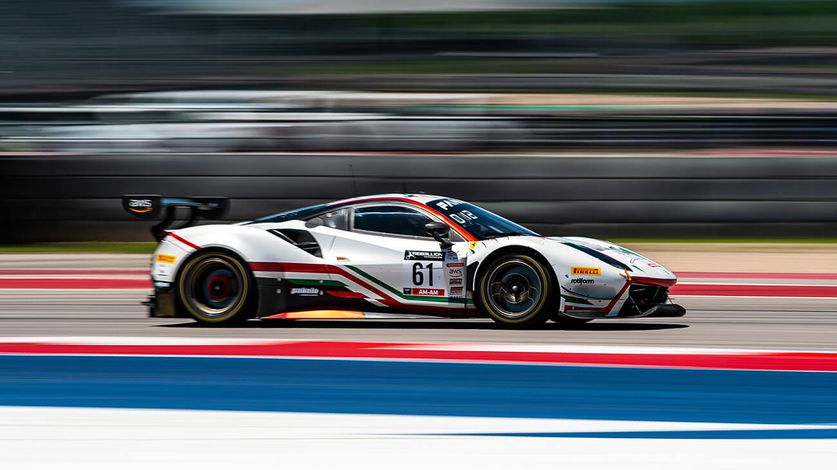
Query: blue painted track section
[(421, 388), (815, 433)]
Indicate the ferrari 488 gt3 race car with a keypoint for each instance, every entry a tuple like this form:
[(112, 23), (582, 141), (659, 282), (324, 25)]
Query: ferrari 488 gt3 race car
[(393, 255)]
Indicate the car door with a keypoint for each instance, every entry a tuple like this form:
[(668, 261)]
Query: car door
[(387, 255)]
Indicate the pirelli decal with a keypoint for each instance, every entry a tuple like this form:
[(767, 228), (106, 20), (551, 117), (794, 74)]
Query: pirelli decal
[(168, 259), (585, 271)]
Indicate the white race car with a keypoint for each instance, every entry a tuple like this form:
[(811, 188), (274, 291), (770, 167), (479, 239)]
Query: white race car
[(391, 256)]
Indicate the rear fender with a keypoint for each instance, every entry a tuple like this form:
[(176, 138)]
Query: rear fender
[(248, 243)]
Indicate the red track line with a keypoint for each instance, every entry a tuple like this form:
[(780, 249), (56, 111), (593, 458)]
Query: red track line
[(787, 361), (74, 272), (750, 290), (73, 283)]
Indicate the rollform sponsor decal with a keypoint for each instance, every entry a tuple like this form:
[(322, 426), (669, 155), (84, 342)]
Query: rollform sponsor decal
[(593, 297), (581, 280), (424, 255)]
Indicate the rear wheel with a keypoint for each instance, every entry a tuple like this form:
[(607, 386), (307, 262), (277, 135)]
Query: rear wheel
[(216, 288), (514, 291)]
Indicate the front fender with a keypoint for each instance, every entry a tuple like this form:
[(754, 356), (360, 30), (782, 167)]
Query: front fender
[(584, 282)]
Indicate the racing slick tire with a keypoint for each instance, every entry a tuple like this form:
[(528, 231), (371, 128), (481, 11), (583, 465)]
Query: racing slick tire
[(514, 291), (216, 288), (568, 322)]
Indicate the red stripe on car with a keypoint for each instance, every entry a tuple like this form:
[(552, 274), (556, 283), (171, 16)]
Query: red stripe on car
[(183, 240)]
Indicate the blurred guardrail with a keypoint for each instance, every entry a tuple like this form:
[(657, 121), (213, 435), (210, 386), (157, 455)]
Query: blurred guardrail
[(461, 130), (76, 196)]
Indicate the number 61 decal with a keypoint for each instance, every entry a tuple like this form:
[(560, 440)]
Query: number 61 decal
[(418, 274)]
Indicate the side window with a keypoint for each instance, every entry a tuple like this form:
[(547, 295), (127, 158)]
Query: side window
[(338, 219), (397, 220)]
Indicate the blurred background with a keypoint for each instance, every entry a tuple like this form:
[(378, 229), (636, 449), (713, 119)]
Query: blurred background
[(608, 118)]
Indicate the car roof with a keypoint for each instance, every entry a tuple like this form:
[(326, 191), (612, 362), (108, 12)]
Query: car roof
[(310, 211), (419, 198)]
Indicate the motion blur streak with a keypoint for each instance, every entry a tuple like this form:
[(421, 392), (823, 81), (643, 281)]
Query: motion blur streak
[(659, 118)]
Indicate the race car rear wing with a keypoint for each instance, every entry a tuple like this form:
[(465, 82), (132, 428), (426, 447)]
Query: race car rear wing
[(149, 206)]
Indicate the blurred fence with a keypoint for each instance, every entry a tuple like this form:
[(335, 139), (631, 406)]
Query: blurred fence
[(76, 197)]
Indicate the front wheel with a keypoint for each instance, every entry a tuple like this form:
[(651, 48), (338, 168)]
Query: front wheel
[(515, 291), (216, 288)]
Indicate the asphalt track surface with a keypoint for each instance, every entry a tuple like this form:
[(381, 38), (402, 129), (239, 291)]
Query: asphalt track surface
[(722, 322), (730, 322)]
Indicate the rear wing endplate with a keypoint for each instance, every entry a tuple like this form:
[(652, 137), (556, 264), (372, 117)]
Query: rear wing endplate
[(149, 206)]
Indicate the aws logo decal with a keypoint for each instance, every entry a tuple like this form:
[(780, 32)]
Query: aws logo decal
[(140, 206)]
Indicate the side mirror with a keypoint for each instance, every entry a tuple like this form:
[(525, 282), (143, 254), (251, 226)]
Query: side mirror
[(314, 223), (440, 232)]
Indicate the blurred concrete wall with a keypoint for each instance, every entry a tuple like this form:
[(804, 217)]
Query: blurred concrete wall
[(76, 197)]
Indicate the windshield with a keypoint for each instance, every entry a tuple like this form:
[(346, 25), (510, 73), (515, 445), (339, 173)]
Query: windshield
[(293, 215), (477, 221)]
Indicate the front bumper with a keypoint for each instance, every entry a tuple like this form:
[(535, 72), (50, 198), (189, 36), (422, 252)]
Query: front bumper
[(646, 300), (665, 311)]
